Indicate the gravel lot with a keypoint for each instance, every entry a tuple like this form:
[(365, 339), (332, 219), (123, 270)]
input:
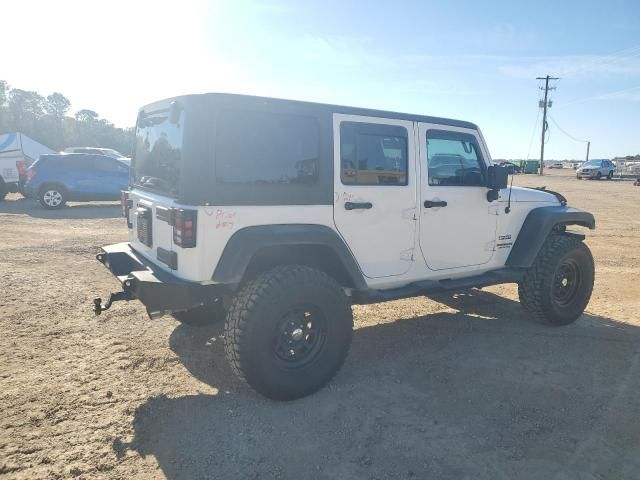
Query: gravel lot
[(459, 386)]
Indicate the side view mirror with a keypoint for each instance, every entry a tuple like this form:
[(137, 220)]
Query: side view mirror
[(497, 177)]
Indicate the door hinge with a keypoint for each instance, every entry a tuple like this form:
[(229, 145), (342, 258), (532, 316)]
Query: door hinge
[(407, 255), (491, 246), (409, 214), (494, 209)]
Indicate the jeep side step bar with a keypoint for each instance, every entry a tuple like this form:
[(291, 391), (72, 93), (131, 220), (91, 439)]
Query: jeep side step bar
[(426, 287)]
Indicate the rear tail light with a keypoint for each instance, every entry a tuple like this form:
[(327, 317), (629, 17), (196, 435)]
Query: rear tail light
[(30, 173), (20, 166), (124, 196), (184, 228), (126, 204)]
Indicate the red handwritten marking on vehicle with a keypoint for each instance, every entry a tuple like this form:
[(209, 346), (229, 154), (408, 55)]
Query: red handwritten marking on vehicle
[(347, 197), (225, 219), (224, 225), (220, 214)]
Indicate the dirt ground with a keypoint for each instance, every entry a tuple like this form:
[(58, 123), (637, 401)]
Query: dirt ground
[(459, 386)]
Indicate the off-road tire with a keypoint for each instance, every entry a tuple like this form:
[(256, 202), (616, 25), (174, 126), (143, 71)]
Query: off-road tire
[(48, 191), (200, 316), (253, 330), (610, 175), (538, 289)]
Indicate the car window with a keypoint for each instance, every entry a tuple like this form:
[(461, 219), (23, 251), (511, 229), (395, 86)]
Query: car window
[(373, 154), (454, 159), (266, 148)]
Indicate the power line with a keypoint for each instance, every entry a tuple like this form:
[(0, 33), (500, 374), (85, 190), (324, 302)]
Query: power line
[(609, 59), (598, 95), (565, 132)]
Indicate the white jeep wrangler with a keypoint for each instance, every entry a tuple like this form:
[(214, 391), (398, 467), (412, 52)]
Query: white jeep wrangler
[(283, 214)]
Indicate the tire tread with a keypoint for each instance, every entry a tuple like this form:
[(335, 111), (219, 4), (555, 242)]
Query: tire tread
[(255, 292), (531, 287)]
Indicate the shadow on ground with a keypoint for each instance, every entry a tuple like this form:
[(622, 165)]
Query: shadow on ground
[(73, 210), (480, 394)]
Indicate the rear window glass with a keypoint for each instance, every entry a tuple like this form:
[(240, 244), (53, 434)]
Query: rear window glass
[(266, 148), (158, 154)]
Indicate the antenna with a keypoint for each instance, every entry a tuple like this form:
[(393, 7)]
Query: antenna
[(508, 207)]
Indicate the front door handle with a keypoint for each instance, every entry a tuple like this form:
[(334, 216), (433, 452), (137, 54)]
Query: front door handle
[(431, 204), (357, 205)]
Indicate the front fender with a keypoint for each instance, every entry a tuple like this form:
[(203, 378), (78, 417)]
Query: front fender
[(537, 227)]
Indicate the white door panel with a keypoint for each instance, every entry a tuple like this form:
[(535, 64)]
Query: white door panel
[(376, 218), (461, 231)]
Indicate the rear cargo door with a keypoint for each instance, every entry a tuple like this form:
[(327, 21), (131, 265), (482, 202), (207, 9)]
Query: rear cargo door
[(156, 180)]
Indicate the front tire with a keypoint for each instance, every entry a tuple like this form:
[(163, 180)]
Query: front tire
[(288, 332), (52, 198), (610, 175), (557, 287), (598, 175)]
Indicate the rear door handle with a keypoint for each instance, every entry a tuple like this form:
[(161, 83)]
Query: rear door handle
[(357, 205), (431, 204)]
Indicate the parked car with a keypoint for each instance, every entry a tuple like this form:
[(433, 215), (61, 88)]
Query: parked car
[(512, 168), (109, 152), (596, 169), (556, 165), (55, 179)]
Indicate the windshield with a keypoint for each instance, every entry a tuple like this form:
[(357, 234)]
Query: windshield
[(158, 153), (592, 163)]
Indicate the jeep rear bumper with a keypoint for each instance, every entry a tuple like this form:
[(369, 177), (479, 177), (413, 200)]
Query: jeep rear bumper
[(159, 291)]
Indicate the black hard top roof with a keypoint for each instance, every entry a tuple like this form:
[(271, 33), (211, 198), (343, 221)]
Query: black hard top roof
[(326, 107)]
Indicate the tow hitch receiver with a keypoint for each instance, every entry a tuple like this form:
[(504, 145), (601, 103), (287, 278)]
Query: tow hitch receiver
[(99, 307)]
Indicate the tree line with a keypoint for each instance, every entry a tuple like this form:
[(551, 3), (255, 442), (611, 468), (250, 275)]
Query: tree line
[(46, 120)]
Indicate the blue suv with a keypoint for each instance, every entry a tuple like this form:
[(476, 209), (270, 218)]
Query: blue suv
[(56, 179)]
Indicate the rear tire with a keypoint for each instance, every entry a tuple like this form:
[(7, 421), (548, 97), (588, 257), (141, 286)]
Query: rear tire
[(557, 287), (288, 332), (52, 197)]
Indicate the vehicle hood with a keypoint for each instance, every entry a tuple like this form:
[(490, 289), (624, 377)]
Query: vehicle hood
[(520, 194)]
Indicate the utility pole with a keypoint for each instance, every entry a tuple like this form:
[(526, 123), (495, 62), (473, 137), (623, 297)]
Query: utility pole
[(544, 116), (588, 146)]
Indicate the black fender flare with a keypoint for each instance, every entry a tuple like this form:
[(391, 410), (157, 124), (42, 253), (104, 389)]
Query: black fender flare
[(246, 242), (538, 225)]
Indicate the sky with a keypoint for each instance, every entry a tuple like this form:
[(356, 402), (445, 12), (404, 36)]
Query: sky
[(470, 60)]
